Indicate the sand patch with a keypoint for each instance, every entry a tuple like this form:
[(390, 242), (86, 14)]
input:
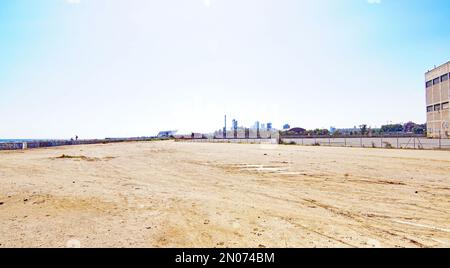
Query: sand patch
[(227, 195)]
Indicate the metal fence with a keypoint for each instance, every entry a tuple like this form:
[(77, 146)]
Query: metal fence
[(413, 142), (388, 142)]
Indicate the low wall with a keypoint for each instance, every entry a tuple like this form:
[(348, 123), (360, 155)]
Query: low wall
[(54, 143), (255, 141)]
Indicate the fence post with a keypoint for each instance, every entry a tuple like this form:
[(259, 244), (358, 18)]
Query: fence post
[(440, 142), (360, 139), (345, 142), (397, 142), (381, 144)]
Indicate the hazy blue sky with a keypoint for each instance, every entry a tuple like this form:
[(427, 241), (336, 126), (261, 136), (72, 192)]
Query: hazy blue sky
[(104, 68)]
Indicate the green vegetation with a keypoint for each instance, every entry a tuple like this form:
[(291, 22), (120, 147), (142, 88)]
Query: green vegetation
[(410, 127), (158, 139), (81, 157), (72, 157), (392, 128), (363, 129), (388, 145)]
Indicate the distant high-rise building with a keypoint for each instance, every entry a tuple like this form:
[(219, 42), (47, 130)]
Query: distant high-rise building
[(263, 126), (234, 125), (269, 126), (286, 126), (234, 128), (256, 126), (225, 128), (437, 94)]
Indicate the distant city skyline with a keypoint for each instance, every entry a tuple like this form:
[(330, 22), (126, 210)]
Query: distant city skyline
[(116, 68)]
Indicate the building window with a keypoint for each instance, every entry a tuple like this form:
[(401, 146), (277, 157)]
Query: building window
[(444, 78), (445, 106), (436, 81), (429, 84), (437, 107), (429, 109)]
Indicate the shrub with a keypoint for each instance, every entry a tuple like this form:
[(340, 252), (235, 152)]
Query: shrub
[(387, 145)]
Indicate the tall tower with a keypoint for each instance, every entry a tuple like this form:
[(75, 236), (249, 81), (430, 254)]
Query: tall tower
[(225, 128), (258, 134), (235, 128)]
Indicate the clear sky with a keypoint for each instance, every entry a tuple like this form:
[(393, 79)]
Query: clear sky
[(111, 68)]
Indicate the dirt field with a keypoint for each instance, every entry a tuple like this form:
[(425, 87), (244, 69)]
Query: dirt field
[(169, 194)]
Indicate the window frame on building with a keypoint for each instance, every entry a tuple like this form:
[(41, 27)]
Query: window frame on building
[(445, 106), (444, 77), (436, 81), (437, 107), (430, 109)]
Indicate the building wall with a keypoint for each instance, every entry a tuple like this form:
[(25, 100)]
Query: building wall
[(253, 134), (437, 99)]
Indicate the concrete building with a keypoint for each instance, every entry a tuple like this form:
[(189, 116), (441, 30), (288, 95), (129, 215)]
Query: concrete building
[(437, 99)]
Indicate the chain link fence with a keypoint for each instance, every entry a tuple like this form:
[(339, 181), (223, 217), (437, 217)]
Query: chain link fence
[(372, 142), (387, 142)]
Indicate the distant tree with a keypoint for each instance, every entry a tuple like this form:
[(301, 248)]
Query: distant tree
[(392, 128), (377, 131), (336, 133), (412, 127), (420, 129), (409, 127), (363, 129), (318, 132)]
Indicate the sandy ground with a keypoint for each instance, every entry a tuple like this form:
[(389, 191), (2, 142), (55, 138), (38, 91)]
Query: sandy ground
[(172, 194)]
